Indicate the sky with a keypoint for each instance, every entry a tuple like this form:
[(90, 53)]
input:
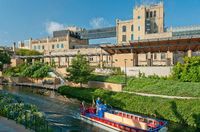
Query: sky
[(24, 19)]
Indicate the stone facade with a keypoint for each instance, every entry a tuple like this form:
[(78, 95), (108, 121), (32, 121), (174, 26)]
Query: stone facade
[(147, 23)]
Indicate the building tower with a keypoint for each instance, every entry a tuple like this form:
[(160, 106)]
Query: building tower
[(148, 19), (147, 22)]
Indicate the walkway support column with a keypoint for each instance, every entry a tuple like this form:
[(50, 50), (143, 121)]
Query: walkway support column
[(25, 60), (169, 59), (58, 61), (189, 53), (33, 60), (149, 59), (135, 59)]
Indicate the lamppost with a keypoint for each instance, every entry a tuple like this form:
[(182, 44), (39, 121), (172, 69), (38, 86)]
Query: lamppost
[(125, 71)]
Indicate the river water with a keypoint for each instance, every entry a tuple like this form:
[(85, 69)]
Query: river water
[(63, 113)]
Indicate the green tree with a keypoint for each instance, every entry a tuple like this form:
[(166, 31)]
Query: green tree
[(41, 72), (80, 71), (4, 59), (26, 52)]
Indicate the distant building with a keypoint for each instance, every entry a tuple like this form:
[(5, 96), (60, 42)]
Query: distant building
[(54, 44), (147, 23), (141, 41)]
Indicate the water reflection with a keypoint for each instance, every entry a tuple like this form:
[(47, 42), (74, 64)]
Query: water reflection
[(63, 113)]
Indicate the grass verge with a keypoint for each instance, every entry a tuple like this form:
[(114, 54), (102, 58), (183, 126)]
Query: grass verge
[(155, 85)]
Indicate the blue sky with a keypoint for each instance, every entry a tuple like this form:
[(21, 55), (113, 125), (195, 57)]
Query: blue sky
[(23, 19)]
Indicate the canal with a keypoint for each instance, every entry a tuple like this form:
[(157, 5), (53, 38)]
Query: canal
[(63, 113)]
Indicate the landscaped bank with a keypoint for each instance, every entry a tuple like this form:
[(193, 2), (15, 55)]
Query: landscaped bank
[(154, 85), (28, 115), (180, 111)]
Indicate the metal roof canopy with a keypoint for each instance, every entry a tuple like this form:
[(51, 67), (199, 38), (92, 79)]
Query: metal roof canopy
[(156, 45)]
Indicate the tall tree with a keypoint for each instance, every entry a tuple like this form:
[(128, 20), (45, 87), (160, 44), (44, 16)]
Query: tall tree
[(4, 59), (80, 71)]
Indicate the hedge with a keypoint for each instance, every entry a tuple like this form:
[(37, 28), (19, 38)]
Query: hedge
[(186, 112)]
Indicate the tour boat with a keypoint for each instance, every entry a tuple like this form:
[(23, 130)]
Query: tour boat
[(118, 121)]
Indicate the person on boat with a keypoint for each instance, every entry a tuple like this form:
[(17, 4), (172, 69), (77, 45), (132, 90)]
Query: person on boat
[(82, 107), (98, 103)]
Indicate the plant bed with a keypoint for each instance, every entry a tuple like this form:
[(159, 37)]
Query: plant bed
[(28, 115)]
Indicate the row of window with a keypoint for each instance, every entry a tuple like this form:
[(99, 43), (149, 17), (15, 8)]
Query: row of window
[(124, 38), (41, 47), (150, 14), (58, 46), (124, 28), (155, 56)]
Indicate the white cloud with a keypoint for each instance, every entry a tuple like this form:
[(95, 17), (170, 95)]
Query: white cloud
[(99, 22), (149, 2), (53, 26)]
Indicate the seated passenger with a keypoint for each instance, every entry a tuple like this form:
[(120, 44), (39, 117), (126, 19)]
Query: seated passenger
[(98, 103)]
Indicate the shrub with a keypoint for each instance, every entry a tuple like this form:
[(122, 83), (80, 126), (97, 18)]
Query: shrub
[(189, 71), (28, 115)]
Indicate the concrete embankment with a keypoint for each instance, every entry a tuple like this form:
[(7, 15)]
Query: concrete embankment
[(10, 126)]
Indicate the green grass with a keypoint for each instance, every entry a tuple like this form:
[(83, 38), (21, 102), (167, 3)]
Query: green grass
[(180, 111), (163, 87), (155, 85), (111, 79)]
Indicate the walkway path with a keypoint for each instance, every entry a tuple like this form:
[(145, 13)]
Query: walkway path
[(161, 96), (10, 126), (49, 87)]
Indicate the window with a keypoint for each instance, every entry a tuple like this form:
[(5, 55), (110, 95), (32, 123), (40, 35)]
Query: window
[(62, 46), (155, 56), (151, 14), (138, 28), (42, 46), (132, 37), (139, 38), (147, 14), (91, 59), (124, 29), (58, 46), (53, 46), (163, 56), (123, 38), (139, 17), (38, 47), (154, 13), (35, 48), (132, 28)]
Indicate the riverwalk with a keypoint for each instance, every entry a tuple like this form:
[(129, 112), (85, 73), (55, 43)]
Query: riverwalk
[(11, 126), (45, 86)]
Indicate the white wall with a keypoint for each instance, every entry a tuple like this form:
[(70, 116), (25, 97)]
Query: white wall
[(160, 71)]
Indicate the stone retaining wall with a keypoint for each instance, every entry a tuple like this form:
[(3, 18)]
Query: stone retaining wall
[(106, 85), (31, 80), (160, 71)]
